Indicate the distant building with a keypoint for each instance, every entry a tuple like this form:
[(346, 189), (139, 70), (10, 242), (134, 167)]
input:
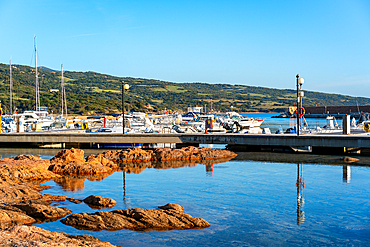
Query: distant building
[(53, 90), (195, 109)]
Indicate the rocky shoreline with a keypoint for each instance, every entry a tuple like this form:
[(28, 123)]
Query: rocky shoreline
[(22, 203)]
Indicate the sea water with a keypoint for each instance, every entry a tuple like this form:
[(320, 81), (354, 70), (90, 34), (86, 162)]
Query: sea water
[(251, 200), (247, 203)]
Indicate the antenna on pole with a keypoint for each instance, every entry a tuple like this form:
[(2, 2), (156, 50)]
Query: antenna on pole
[(64, 97), (62, 89), (11, 86), (37, 103)]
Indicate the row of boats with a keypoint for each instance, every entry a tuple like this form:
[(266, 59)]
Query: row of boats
[(136, 122), (139, 122)]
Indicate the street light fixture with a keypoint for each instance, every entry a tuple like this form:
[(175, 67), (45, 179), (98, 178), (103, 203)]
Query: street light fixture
[(300, 82), (124, 88)]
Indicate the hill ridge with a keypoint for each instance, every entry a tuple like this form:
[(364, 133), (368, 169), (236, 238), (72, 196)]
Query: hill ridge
[(96, 93)]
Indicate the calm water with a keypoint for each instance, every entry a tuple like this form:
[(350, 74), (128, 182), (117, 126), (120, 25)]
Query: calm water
[(248, 202)]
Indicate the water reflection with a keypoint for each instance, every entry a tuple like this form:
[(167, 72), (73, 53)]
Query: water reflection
[(77, 182), (209, 170), (125, 199), (346, 174), (300, 200)]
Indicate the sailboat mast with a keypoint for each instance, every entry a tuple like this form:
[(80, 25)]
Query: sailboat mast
[(64, 98), (11, 87), (62, 90), (37, 103)]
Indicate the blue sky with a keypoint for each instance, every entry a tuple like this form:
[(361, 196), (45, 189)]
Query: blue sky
[(259, 43)]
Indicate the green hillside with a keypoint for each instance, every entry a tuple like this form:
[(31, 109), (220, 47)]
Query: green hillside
[(94, 93)]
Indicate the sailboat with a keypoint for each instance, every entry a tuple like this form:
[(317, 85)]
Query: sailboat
[(11, 88), (62, 120), (64, 97), (8, 123), (38, 118), (37, 101)]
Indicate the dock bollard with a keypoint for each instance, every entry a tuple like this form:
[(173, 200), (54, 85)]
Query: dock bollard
[(346, 124)]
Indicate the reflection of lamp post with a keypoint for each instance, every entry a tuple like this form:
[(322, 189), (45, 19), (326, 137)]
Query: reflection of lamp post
[(124, 88), (300, 81), (300, 201)]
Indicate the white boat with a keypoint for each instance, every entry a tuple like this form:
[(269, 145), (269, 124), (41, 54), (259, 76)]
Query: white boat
[(40, 118), (247, 123), (236, 122)]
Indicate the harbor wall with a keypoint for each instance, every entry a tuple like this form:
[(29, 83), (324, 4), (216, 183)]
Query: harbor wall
[(336, 109)]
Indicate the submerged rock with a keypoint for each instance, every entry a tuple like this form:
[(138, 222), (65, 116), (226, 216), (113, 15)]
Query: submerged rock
[(172, 206), (171, 217), (35, 236), (95, 201)]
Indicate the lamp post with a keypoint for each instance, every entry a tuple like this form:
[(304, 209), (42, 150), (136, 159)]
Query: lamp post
[(124, 88), (300, 82), (301, 94)]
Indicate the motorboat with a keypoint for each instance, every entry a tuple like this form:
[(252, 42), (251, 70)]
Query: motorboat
[(41, 119), (236, 122)]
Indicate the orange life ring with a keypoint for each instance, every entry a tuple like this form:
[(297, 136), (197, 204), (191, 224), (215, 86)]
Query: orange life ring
[(301, 112), (1, 112)]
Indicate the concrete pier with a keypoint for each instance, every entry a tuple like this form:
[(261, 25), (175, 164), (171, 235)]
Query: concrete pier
[(318, 142)]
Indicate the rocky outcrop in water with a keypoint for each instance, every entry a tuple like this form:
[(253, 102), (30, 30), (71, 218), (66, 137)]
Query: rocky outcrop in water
[(72, 161), (21, 200), (137, 155), (170, 217), (42, 212), (24, 236), (14, 217), (95, 201), (24, 169)]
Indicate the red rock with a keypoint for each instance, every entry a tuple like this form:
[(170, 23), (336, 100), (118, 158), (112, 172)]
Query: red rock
[(72, 162), (43, 212), (170, 218), (12, 218), (72, 155), (12, 192), (136, 155), (99, 202), (172, 206), (78, 169), (24, 236), (25, 168)]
